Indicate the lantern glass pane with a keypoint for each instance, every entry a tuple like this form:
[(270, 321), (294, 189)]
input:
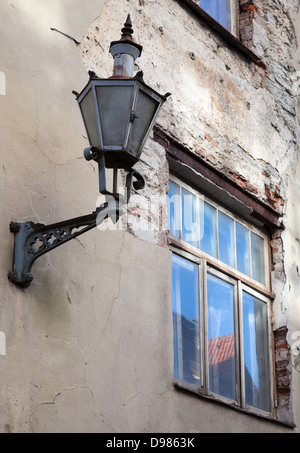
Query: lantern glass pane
[(145, 111), (114, 109), (87, 106)]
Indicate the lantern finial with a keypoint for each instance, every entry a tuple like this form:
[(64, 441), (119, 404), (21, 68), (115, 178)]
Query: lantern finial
[(127, 31), (125, 52)]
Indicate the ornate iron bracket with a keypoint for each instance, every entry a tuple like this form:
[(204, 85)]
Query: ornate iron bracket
[(133, 180), (34, 240)]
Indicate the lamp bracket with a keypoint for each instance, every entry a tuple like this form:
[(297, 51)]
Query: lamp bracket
[(33, 240)]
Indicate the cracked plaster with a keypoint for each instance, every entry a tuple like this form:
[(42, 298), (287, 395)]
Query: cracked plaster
[(75, 362)]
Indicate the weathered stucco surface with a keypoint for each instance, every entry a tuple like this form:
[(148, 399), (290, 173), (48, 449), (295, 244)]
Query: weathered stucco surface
[(89, 345)]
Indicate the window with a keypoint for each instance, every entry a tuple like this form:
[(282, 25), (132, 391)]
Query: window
[(223, 11), (221, 302)]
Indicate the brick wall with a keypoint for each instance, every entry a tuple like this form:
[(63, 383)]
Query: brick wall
[(248, 11), (282, 349), (282, 368)]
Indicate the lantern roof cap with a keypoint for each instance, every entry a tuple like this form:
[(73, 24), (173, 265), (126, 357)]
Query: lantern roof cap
[(126, 38)]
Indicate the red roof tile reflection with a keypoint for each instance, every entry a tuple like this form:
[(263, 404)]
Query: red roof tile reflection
[(221, 349)]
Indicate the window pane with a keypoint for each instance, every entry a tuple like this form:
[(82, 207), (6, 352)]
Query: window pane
[(242, 249), (258, 262), (208, 236), (219, 10), (221, 339), (226, 239), (186, 320), (189, 218), (173, 208), (257, 373)]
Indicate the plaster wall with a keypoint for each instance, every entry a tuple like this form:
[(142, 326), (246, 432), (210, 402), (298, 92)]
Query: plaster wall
[(89, 344)]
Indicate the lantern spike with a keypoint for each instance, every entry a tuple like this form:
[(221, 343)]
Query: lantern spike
[(127, 31)]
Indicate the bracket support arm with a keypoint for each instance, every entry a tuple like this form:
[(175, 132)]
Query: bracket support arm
[(34, 240)]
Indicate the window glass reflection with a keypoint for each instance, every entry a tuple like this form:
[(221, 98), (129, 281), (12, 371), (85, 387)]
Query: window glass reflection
[(185, 296), (208, 235), (217, 234), (257, 373), (219, 10), (258, 261), (242, 249), (221, 338), (189, 218), (226, 239)]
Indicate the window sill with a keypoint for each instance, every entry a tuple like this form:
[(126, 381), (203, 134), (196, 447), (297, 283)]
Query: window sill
[(230, 39), (182, 386)]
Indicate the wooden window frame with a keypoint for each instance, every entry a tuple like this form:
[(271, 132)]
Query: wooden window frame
[(203, 388), (209, 265)]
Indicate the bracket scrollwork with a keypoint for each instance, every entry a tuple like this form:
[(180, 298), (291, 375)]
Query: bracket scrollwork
[(34, 240)]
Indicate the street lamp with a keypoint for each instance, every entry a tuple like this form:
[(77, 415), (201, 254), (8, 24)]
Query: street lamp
[(118, 114)]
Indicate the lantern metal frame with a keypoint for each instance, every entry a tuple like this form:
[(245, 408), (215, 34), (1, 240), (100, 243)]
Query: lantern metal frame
[(121, 154)]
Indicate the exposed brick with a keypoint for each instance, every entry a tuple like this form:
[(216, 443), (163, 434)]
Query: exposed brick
[(282, 363), (277, 234), (250, 7), (283, 392), (240, 180), (252, 188), (200, 152), (280, 333), (247, 11), (276, 242), (211, 159), (208, 137), (283, 379)]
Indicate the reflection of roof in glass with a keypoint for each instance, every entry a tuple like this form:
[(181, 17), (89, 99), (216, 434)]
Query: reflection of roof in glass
[(221, 349)]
